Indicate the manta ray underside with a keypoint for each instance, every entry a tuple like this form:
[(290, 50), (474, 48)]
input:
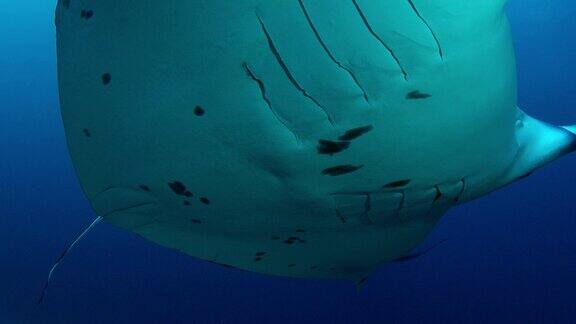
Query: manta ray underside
[(302, 138)]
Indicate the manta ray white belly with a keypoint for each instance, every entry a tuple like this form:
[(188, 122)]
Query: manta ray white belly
[(298, 138)]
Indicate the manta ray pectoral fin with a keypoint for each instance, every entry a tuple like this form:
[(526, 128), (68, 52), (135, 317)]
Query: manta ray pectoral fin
[(571, 129), (539, 143), (536, 144)]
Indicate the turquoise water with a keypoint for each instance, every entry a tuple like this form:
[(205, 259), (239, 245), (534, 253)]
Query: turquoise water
[(510, 257)]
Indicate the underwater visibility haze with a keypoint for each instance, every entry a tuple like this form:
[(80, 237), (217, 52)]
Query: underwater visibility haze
[(309, 139)]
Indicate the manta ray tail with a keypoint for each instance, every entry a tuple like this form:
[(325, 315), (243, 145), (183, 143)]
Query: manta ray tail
[(67, 249)]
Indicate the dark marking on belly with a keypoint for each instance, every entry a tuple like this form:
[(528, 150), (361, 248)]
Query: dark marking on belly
[(296, 238), (205, 201), (417, 95), (354, 133), (199, 111), (87, 132), (178, 187), (106, 78), (293, 239), (144, 188), (341, 170), (289, 242), (398, 184), (86, 14), (331, 147)]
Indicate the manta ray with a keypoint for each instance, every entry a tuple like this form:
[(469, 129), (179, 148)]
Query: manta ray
[(299, 138)]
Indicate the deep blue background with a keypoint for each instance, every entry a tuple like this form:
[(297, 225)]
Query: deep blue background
[(511, 256)]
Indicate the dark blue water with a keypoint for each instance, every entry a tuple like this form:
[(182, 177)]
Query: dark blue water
[(511, 256)]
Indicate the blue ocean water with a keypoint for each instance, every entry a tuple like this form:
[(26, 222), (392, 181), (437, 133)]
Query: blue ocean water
[(510, 257)]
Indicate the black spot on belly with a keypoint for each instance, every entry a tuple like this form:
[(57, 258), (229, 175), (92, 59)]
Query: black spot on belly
[(199, 111), (87, 132), (354, 133), (260, 254), (106, 78), (178, 187), (144, 188), (331, 147), (196, 221), (294, 239), (289, 241), (205, 201), (86, 14), (291, 265), (416, 95), (341, 170), (398, 184), (256, 259)]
